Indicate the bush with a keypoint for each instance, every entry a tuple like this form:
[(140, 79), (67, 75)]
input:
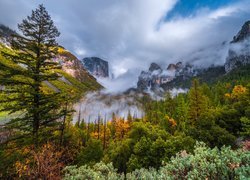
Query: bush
[(205, 163), (46, 163), (99, 171)]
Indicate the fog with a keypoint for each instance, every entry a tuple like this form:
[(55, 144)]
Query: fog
[(102, 104)]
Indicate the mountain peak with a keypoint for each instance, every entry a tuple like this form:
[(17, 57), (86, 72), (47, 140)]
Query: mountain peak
[(239, 52), (6, 31), (243, 33), (96, 66), (174, 67), (154, 67)]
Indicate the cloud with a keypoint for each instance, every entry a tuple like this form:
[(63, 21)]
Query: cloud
[(131, 34), (120, 83)]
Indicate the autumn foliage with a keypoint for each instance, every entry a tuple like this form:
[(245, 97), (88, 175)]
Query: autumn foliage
[(45, 163)]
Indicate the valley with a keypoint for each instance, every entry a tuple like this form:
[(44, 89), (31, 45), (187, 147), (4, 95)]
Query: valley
[(70, 109)]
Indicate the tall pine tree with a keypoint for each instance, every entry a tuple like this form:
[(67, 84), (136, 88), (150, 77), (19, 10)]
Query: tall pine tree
[(198, 102), (35, 109)]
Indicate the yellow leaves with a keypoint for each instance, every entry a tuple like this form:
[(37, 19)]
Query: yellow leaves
[(109, 123), (228, 95), (61, 50), (94, 135), (22, 168), (237, 93)]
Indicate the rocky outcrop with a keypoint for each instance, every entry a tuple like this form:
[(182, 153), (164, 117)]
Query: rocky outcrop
[(243, 34), (239, 51), (155, 78), (154, 67), (175, 67), (72, 65), (96, 66), (5, 34)]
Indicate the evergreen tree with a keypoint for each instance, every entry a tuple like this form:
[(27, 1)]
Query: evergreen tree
[(197, 102), (245, 126), (24, 94), (181, 113), (129, 117)]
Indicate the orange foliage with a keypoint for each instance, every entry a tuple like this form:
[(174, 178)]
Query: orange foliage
[(171, 121), (121, 128), (43, 164), (237, 93), (228, 95)]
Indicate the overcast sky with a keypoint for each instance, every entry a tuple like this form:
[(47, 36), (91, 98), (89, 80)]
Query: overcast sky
[(131, 34)]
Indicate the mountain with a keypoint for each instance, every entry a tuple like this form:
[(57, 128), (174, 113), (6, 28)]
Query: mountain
[(6, 31), (5, 34), (239, 51), (73, 66), (96, 66), (180, 75), (74, 77), (156, 77)]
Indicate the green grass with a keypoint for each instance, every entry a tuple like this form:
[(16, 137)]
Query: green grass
[(3, 116)]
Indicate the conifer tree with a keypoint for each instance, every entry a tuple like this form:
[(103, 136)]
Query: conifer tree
[(23, 94), (181, 112), (197, 102), (129, 117)]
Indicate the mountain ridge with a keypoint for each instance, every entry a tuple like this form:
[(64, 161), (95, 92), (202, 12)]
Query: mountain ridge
[(180, 74)]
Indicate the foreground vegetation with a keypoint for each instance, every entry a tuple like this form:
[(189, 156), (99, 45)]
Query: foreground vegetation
[(205, 163), (202, 134)]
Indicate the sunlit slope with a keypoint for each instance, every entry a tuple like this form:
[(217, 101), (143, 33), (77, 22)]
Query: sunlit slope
[(74, 80)]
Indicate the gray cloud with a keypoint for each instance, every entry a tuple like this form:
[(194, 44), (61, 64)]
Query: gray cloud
[(132, 34)]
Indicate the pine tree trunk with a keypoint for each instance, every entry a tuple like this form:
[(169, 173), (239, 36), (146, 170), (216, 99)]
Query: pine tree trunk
[(63, 124), (104, 135)]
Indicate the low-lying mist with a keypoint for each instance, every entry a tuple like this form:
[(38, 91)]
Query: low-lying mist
[(102, 104)]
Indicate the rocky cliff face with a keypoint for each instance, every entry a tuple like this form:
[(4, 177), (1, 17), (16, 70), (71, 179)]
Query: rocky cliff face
[(5, 34), (239, 51), (156, 77), (96, 66), (72, 65)]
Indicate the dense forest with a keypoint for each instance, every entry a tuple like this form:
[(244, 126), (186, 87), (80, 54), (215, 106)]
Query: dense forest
[(201, 134)]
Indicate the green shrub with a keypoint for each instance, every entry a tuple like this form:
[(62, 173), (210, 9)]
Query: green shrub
[(205, 163), (99, 171)]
